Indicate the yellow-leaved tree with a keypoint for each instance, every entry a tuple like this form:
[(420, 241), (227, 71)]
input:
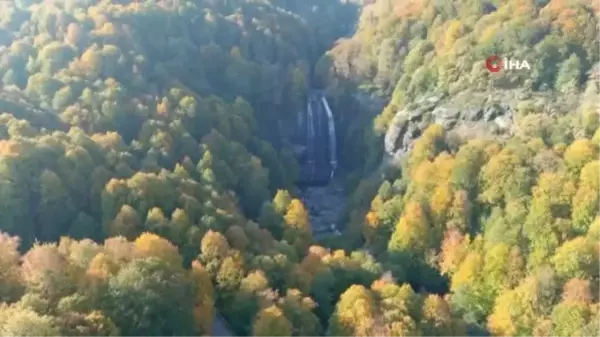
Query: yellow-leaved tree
[(149, 244), (271, 322), (297, 230), (354, 313), (204, 310)]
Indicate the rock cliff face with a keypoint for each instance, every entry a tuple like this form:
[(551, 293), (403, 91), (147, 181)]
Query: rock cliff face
[(465, 115)]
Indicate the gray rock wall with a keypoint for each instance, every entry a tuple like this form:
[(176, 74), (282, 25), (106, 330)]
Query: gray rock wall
[(465, 115)]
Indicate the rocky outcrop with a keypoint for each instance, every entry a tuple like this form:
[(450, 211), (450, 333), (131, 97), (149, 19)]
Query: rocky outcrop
[(465, 115), (325, 204)]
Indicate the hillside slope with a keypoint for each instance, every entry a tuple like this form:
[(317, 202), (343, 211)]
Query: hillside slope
[(409, 51), (121, 118), (489, 181), (147, 188)]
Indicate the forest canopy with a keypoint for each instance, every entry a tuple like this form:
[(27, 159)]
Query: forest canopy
[(147, 186)]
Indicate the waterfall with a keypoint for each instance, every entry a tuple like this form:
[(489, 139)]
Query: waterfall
[(318, 124), (310, 137), (332, 138), (319, 121)]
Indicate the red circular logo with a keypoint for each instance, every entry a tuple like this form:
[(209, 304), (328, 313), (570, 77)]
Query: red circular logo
[(494, 63)]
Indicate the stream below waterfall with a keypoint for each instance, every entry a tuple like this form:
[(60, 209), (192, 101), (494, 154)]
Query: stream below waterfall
[(325, 205)]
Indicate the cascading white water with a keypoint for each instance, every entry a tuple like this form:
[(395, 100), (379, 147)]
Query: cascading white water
[(319, 116), (310, 128), (332, 139)]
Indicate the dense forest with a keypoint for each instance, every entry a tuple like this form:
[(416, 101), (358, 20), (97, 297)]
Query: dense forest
[(148, 186)]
